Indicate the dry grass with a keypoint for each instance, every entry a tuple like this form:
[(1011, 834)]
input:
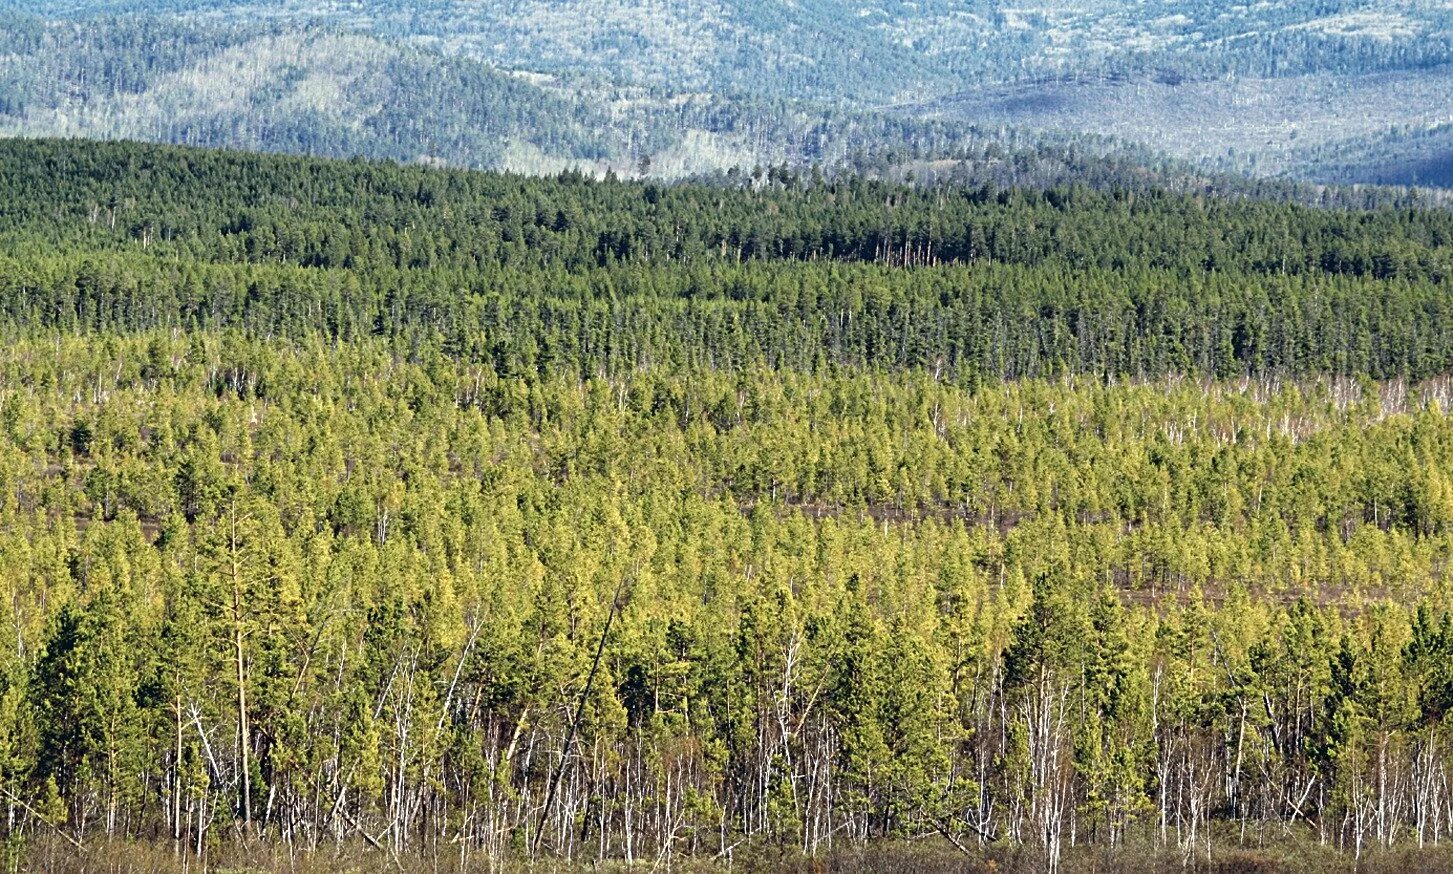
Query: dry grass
[(929, 857), (924, 857)]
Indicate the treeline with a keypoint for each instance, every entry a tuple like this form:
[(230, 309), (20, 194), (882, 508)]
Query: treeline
[(303, 593), (568, 274), (963, 323), (240, 207)]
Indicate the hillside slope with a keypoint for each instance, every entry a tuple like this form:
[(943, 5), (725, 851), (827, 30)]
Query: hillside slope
[(311, 91), (319, 90), (357, 516), (679, 87), (873, 51)]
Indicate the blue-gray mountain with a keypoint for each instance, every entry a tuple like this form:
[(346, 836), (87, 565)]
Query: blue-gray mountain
[(1302, 89)]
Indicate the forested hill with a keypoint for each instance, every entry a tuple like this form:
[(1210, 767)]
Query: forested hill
[(568, 272), (1301, 89), (294, 209), (359, 516), (307, 90), (846, 50), (325, 89)]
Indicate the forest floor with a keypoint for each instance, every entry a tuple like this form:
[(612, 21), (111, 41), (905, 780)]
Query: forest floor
[(926, 856)]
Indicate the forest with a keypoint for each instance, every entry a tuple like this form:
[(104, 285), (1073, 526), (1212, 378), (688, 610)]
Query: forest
[(1304, 91), (326, 90), (864, 54), (356, 516)]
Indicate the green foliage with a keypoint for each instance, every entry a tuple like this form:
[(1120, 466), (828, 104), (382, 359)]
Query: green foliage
[(969, 283), (294, 554)]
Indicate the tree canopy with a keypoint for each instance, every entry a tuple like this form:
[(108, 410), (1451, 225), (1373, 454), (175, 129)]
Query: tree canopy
[(470, 518)]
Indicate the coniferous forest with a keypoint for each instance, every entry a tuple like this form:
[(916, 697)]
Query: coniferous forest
[(356, 516)]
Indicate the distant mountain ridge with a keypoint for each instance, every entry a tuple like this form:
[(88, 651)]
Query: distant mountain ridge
[(857, 50), (320, 90), (680, 87)]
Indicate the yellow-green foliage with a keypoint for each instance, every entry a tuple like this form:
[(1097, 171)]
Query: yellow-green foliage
[(851, 605)]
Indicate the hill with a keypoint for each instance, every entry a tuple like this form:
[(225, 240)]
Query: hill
[(310, 91), (318, 90), (874, 52), (696, 86), (1210, 285), (1258, 126), (356, 515), (1416, 155)]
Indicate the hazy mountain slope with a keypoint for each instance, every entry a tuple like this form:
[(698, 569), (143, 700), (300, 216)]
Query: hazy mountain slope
[(315, 89), (866, 50), (1421, 156), (693, 85), (814, 50), (320, 90), (1262, 125), (299, 90)]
